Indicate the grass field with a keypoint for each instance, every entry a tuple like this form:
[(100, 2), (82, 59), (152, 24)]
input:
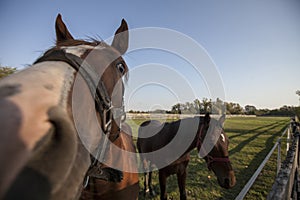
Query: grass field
[(250, 141)]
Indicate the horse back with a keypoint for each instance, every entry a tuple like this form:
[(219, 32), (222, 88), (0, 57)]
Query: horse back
[(154, 135)]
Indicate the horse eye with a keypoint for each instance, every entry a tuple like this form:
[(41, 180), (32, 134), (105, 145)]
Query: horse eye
[(121, 68)]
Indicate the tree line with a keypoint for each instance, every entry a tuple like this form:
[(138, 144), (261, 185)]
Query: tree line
[(206, 105), (5, 71), (230, 108)]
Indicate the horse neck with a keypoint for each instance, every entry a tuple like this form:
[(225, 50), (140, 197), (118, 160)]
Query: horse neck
[(197, 136), (166, 134), (190, 127)]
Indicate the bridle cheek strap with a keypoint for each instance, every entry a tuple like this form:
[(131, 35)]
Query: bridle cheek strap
[(209, 159)]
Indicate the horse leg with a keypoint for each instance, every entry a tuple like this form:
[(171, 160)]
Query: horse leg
[(151, 191), (145, 163), (181, 178), (145, 183), (163, 185)]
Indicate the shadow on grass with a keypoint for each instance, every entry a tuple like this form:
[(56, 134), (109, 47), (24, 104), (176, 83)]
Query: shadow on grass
[(243, 175), (244, 132), (241, 145)]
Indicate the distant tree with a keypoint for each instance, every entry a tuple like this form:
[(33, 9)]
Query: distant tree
[(197, 106), (5, 71), (262, 112), (206, 105), (297, 111), (159, 111), (233, 108), (189, 108), (298, 93), (250, 110), (176, 109), (283, 111), (137, 111), (218, 107)]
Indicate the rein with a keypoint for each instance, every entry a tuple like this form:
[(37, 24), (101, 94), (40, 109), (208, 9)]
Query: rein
[(103, 103), (209, 159)]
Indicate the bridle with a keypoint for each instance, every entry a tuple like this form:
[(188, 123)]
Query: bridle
[(210, 160), (107, 111), (102, 100)]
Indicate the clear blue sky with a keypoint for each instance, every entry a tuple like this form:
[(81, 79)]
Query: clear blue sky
[(255, 44)]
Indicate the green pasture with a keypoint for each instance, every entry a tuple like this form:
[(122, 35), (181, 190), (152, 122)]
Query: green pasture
[(251, 138)]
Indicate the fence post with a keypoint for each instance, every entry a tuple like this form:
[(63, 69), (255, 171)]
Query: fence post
[(283, 185), (279, 155), (288, 139)]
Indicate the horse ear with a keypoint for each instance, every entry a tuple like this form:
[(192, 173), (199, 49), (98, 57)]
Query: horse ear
[(206, 118), (62, 32), (120, 41), (222, 119)]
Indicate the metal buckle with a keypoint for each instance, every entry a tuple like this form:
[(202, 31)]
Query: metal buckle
[(119, 113), (86, 181), (107, 119)]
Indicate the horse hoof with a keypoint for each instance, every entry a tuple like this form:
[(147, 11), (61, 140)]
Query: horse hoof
[(152, 193)]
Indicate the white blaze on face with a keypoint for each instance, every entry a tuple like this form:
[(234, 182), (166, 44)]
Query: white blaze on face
[(79, 50), (223, 137)]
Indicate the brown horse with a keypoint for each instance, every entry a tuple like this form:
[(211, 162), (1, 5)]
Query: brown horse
[(75, 89), (128, 188), (203, 133)]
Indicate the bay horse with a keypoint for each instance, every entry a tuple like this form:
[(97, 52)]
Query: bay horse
[(204, 133), (42, 153), (128, 187)]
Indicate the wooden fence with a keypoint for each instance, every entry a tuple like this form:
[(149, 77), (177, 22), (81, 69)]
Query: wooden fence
[(286, 183), (277, 145)]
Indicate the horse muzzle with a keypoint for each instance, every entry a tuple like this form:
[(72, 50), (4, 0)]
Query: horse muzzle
[(227, 182)]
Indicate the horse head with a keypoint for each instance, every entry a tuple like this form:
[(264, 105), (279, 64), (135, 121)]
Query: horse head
[(39, 143), (107, 66), (213, 147)]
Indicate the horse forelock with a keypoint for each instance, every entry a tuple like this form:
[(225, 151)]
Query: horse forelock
[(81, 48), (80, 45), (92, 42)]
